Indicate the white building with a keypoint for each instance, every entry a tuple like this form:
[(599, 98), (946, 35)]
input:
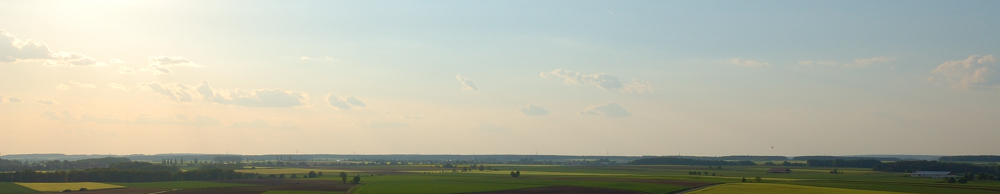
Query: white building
[(933, 174)]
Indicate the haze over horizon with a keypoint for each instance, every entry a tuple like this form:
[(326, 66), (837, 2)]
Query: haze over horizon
[(704, 78)]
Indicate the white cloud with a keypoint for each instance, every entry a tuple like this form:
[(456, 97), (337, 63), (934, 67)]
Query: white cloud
[(971, 71), (47, 101), (532, 110), (179, 92), (9, 99), (125, 70), (14, 50), (304, 58), (385, 124), (161, 64), (396, 113), (113, 60), (868, 61), (466, 83), (606, 110), (82, 85), (118, 86), (856, 63), (74, 84), (748, 63), (261, 124), (344, 103), (260, 98), (600, 80)]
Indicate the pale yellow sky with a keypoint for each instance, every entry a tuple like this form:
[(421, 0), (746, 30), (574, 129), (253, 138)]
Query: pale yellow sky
[(625, 78)]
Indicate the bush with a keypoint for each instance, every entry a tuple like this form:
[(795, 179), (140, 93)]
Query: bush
[(83, 189), (67, 190)]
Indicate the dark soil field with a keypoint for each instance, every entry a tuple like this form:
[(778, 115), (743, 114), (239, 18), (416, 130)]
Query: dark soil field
[(272, 184), (562, 190), (121, 191)]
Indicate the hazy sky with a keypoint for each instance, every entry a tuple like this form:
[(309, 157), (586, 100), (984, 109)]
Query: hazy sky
[(500, 77)]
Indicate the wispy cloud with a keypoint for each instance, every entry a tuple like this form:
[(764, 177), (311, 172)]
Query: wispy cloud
[(748, 63), (962, 74), (14, 50), (606, 110), (183, 93), (47, 101), (385, 124), (125, 70), (466, 83), (118, 86), (141, 119), (600, 80), (9, 99), (862, 62), (261, 124), (532, 110), (344, 103), (161, 64)]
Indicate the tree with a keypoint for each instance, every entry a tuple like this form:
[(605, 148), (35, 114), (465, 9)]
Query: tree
[(343, 177), (963, 180), (744, 179), (757, 179), (357, 179), (512, 174), (281, 176), (312, 174), (517, 174), (481, 168), (319, 174), (297, 176), (465, 169), (950, 179)]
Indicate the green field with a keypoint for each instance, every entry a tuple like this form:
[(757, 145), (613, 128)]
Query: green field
[(302, 192), (11, 188), (765, 188), (290, 171), (646, 178), (181, 185), (55, 187)]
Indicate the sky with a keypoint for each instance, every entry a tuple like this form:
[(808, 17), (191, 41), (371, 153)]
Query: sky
[(633, 78)]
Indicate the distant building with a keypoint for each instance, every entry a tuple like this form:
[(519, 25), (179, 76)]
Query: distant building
[(779, 170), (933, 174)]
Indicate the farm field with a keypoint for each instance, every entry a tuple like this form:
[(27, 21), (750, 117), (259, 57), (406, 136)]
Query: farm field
[(12, 188), (181, 185), (56, 187), (765, 188), (545, 179)]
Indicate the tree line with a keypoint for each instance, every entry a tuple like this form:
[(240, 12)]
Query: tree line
[(686, 161), (125, 172), (858, 163), (16, 165), (924, 165), (976, 158)]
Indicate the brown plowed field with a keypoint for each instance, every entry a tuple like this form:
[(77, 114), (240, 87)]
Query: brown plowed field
[(272, 184), (562, 190), (120, 191)]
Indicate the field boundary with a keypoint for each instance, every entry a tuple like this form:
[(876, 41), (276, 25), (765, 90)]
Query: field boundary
[(696, 188), (354, 187)]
